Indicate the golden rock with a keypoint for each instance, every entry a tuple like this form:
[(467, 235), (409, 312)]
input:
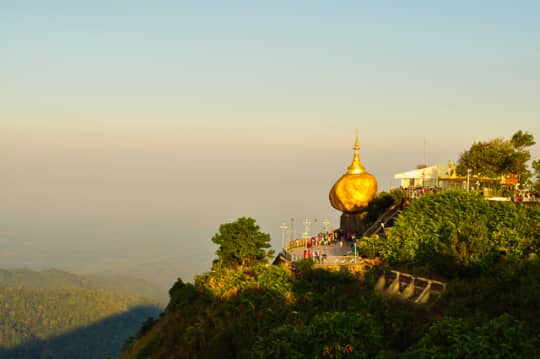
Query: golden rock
[(353, 191)]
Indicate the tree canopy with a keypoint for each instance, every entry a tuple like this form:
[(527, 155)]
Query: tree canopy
[(455, 232), (536, 178), (499, 157), (54, 322), (241, 243)]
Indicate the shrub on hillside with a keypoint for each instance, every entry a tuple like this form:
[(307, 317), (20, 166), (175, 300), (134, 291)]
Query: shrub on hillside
[(456, 232)]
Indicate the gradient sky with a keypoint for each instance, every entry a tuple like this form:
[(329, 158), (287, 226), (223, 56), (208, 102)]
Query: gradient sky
[(129, 130)]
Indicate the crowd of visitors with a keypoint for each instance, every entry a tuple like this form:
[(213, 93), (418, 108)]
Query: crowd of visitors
[(317, 247), (527, 197)]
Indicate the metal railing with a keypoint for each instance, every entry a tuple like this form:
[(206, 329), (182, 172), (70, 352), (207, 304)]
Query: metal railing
[(383, 218)]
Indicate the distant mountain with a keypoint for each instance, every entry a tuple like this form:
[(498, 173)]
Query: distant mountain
[(56, 314), (126, 284), (99, 340), (58, 279)]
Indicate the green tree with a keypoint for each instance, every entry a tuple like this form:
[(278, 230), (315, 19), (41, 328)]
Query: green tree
[(328, 335), (241, 243), (501, 337), (499, 157), (453, 232), (536, 179), (521, 141), (378, 205)]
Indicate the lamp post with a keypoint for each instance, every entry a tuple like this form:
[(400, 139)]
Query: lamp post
[(468, 178), (326, 223), (307, 223), (283, 228), (292, 230)]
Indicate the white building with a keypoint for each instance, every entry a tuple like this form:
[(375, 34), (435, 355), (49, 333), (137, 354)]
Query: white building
[(425, 177)]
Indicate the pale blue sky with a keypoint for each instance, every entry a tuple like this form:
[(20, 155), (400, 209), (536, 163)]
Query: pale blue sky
[(129, 130)]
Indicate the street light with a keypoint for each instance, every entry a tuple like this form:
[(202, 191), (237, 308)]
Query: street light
[(292, 230), (283, 228), (306, 222), (326, 223), (468, 178)]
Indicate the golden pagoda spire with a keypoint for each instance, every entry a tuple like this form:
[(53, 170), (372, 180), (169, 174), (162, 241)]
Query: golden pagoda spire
[(356, 166), (352, 192)]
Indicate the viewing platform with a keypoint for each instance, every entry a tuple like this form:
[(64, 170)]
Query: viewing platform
[(334, 255)]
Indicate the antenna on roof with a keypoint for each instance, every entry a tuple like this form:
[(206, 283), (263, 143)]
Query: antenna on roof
[(425, 161)]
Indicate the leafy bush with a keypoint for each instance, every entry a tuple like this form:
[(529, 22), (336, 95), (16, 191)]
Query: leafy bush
[(456, 232), (357, 334), (501, 337)]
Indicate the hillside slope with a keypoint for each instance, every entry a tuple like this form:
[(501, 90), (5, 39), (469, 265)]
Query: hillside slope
[(38, 309), (59, 279), (487, 253)]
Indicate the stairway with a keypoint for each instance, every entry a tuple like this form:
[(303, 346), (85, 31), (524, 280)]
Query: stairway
[(384, 219), (405, 286)]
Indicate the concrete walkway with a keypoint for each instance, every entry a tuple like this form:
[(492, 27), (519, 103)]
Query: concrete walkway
[(334, 254)]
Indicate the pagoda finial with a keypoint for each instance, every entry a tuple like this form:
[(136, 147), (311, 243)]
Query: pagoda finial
[(356, 165)]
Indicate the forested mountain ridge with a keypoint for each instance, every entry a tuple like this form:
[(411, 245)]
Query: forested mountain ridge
[(487, 253), (59, 279), (56, 314)]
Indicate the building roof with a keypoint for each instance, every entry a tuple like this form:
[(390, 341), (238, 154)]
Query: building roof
[(426, 173)]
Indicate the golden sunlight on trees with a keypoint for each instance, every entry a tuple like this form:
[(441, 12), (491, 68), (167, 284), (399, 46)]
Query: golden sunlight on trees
[(241, 243), (499, 157)]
